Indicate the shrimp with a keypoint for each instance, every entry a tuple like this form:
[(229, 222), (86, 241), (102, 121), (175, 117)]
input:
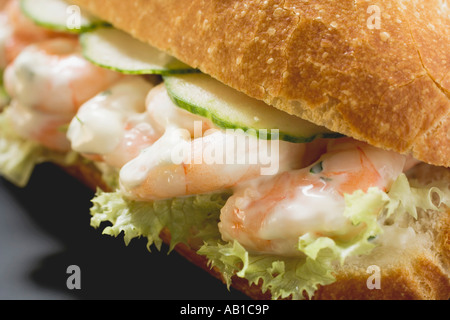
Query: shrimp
[(194, 156), (47, 83), (5, 36), (17, 32), (179, 165), (117, 125), (269, 216), (113, 127), (3, 4), (53, 77), (45, 129)]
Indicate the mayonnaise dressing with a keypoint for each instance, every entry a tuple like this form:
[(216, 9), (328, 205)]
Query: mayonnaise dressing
[(252, 217), (53, 77), (221, 157), (270, 215), (178, 126), (40, 127), (135, 172), (99, 125), (27, 81), (308, 210)]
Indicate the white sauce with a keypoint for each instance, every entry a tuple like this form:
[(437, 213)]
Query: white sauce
[(178, 126), (40, 127), (398, 237), (98, 127), (28, 81), (307, 211), (136, 171), (53, 77)]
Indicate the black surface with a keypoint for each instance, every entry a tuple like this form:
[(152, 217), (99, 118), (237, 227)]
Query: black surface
[(45, 228)]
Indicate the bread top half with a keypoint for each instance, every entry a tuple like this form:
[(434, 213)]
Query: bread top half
[(378, 71)]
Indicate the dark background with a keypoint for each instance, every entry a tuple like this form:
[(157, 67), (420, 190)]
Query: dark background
[(45, 228)]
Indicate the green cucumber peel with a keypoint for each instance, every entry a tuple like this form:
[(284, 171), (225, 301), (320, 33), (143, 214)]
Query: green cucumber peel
[(37, 11), (116, 50), (209, 98)]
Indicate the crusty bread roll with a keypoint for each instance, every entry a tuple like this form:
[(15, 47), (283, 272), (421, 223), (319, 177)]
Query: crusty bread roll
[(325, 61)]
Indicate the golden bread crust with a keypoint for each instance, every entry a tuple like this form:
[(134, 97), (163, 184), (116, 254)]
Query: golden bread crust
[(421, 278), (324, 61)]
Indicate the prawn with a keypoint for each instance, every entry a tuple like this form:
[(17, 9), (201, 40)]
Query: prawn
[(192, 156), (269, 216), (53, 77), (47, 83), (179, 165), (45, 129), (3, 4), (113, 127), (17, 32), (117, 127)]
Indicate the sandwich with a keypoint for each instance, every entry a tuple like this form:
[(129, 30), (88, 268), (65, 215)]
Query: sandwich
[(292, 149)]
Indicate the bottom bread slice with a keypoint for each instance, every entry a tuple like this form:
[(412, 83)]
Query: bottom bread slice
[(419, 272)]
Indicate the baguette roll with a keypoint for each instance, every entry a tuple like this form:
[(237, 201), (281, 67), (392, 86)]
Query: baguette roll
[(322, 61), (375, 72)]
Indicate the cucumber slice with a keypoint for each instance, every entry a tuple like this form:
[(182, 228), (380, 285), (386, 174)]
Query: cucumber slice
[(60, 15), (230, 109), (116, 50)]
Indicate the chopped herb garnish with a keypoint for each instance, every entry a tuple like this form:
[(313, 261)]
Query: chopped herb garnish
[(79, 120)]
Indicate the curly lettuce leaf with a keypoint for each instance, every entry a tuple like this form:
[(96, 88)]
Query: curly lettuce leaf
[(284, 277), (300, 276), (18, 156), (110, 175), (185, 218), (4, 98)]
